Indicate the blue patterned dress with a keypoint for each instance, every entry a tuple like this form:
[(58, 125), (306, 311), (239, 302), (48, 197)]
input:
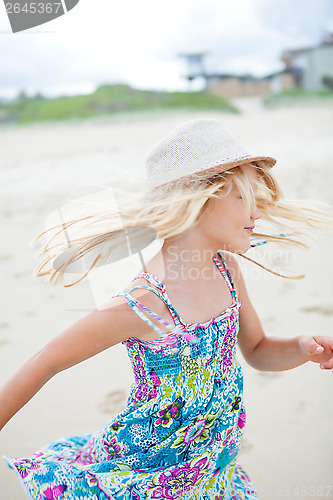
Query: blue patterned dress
[(180, 432)]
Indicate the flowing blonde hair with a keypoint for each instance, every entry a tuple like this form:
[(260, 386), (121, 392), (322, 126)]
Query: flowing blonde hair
[(170, 210)]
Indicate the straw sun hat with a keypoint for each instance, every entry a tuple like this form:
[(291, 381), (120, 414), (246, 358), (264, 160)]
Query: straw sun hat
[(201, 147)]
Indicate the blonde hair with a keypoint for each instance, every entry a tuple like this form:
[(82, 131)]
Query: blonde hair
[(170, 210)]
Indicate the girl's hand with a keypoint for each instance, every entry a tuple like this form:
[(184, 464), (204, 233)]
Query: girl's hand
[(318, 349)]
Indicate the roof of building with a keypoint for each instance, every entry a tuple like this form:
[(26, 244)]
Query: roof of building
[(327, 40)]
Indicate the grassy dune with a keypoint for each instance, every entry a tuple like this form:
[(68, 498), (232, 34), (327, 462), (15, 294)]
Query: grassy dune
[(107, 100), (297, 96)]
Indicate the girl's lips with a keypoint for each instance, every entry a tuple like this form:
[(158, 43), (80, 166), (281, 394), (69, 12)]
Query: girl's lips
[(249, 229)]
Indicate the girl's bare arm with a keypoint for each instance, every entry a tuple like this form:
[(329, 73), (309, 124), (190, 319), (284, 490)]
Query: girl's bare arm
[(83, 339), (270, 353)]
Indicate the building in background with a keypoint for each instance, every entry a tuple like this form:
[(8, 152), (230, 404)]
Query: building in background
[(248, 85), (308, 68), (315, 64)]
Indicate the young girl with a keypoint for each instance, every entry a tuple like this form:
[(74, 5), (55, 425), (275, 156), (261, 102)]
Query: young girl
[(180, 319)]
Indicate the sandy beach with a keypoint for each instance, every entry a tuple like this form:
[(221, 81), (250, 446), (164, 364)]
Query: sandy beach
[(288, 440)]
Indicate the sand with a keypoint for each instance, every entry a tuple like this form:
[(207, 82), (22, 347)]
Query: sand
[(288, 440)]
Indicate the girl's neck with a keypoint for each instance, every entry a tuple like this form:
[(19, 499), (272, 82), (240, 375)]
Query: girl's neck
[(184, 258)]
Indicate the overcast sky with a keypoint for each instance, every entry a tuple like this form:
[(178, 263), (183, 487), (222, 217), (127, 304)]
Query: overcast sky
[(137, 42)]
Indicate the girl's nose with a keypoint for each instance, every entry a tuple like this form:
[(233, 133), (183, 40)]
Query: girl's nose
[(256, 213)]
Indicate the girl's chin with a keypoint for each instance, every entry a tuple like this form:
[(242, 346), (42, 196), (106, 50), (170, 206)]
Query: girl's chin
[(246, 247)]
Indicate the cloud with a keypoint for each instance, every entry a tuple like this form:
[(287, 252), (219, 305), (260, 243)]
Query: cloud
[(138, 42), (303, 19), (245, 35)]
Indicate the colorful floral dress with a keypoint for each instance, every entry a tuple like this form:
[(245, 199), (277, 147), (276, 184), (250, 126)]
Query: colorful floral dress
[(181, 429)]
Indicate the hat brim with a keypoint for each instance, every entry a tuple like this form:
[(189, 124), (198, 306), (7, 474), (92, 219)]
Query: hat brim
[(263, 161)]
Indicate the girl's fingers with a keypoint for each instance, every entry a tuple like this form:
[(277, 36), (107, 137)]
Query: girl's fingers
[(312, 347), (327, 366), (326, 342)]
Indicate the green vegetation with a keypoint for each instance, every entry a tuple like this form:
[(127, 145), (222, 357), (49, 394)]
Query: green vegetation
[(107, 100), (297, 96)]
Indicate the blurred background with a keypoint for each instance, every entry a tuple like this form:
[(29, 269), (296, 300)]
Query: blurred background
[(247, 48), (82, 99)]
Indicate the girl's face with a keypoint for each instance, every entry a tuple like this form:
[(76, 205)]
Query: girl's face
[(227, 224)]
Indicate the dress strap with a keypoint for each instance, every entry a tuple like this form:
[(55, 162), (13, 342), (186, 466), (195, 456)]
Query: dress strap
[(154, 280), (226, 274), (138, 308)]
